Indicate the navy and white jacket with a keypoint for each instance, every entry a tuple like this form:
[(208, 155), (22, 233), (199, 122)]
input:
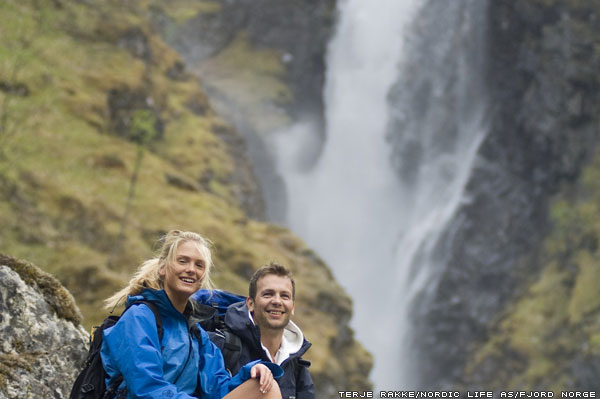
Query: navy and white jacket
[(296, 382)]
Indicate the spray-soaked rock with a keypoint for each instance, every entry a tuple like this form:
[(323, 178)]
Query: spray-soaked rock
[(542, 130)]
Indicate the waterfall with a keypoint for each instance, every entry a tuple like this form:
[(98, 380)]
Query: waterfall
[(405, 108)]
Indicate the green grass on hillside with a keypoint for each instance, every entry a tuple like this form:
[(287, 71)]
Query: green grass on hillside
[(79, 83), (557, 320)]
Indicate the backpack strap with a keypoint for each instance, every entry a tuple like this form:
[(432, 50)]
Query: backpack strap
[(90, 382), (231, 350), (232, 347), (154, 309)]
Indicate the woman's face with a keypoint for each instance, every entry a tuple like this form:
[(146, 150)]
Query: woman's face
[(183, 277)]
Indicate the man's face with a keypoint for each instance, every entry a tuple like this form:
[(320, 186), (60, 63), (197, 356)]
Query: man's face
[(273, 305)]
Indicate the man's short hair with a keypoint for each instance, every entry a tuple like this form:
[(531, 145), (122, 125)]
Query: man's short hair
[(271, 268)]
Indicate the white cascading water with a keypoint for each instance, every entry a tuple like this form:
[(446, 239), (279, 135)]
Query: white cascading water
[(352, 206)]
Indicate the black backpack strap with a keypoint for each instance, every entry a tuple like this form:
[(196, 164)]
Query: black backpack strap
[(90, 382), (232, 348), (111, 390)]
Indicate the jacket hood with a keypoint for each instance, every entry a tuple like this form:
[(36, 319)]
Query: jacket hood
[(238, 320), (158, 297), (294, 337)]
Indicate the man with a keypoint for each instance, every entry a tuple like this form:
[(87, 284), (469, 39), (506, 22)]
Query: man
[(266, 332)]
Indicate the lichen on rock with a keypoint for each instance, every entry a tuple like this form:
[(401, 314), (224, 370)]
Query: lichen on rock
[(43, 343), (57, 296)]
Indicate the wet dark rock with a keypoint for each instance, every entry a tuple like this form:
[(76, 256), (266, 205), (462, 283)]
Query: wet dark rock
[(125, 107), (586, 368), (178, 72), (248, 195), (136, 43), (197, 106), (544, 128), (14, 88), (181, 182)]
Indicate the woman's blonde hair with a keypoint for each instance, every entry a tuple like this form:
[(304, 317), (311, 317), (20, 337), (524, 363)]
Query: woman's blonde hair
[(147, 275)]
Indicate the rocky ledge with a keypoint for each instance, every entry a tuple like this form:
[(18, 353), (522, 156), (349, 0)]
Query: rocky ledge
[(43, 343)]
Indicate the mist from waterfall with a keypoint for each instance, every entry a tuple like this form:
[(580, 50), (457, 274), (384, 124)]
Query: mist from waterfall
[(402, 131)]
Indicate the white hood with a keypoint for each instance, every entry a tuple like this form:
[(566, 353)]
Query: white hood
[(291, 342)]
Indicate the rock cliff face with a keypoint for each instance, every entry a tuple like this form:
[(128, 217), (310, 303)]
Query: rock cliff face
[(544, 84), (297, 30), (263, 66), (43, 344)]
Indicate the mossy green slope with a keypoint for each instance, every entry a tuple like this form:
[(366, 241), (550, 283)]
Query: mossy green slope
[(252, 80), (555, 325), (85, 89), (547, 338)]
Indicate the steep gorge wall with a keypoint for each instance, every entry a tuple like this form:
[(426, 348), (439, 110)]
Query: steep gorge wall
[(543, 81), (297, 30), (262, 64)]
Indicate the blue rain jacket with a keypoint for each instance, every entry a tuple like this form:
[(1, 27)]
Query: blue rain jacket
[(172, 368)]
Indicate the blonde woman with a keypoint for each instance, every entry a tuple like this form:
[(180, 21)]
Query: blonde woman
[(183, 364)]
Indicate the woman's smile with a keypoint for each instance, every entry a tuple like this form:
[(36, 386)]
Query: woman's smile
[(183, 277)]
